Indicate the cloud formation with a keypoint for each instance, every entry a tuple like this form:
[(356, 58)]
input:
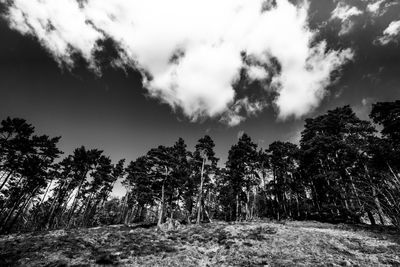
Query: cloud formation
[(380, 7), (190, 52), (345, 13), (391, 33), (375, 7), (241, 109)]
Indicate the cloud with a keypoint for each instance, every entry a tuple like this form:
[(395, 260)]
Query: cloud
[(391, 33), (344, 13), (190, 52), (374, 7), (304, 87), (257, 73), (232, 119), (380, 7), (60, 26), (242, 109)]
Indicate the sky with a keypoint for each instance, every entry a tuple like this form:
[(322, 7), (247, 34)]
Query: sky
[(125, 76)]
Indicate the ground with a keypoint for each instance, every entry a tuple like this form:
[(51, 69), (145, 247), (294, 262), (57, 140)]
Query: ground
[(262, 243)]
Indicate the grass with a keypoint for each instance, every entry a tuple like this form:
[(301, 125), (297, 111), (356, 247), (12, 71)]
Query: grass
[(260, 243)]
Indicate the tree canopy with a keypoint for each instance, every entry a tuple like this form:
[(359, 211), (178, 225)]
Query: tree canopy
[(343, 170)]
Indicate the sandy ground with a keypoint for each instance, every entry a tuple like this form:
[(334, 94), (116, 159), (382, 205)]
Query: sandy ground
[(218, 244)]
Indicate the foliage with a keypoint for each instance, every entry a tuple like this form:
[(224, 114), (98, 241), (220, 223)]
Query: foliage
[(343, 171)]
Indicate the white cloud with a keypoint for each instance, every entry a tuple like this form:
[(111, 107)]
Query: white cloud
[(380, 7), (344, 13), (257, 73), (393, 28), (205, 38), (241, 109), (391, 33), (303, 88), (374, 8), (232, 119), (59, 26)]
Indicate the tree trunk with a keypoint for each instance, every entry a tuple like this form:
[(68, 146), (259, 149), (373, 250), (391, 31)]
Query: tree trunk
[(85, 212), (45, 193), (375, 197), (4, 224), (285, 209), (4, 221), (277, 210), (394, 175), (254, 212), (128, 215), (316, 197), (237, 207), (371, 217), (93, 211), (5, 180), (248, 215), (354, 187), (11, 224), (378, 206), (189, 208), (200, 196), (161, 209), (298, 206), (142, 214), (171, 200), (71, 212), (50, 218), (124, 207)]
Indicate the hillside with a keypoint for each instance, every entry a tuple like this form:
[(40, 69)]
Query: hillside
[(218, 244)]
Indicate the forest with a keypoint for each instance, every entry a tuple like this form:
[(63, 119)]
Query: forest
[(344, 170)]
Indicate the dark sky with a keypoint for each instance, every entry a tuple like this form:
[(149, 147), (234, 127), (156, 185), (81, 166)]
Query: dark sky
[(114, 113)]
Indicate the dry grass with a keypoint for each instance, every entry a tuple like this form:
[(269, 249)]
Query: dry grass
[(218, 244)]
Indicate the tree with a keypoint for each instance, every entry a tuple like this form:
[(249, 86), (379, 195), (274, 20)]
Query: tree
[(140, 185), (334, 146), (284, 162), (99, 188), (27, 161), (84, 161), (341, 171), (162, 164), (384, 163), (241, 169), (387, 114), (161, 174), (181, 176), (15, 145), (204, 163)]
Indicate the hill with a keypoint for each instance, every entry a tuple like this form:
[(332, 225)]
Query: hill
[(261, 243)]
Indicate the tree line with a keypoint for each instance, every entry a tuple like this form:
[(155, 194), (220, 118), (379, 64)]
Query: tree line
[(342, 171)]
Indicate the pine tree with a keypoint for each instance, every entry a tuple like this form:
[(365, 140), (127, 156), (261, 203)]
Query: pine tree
[(204, 164), (161, 165), (240, 167)]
